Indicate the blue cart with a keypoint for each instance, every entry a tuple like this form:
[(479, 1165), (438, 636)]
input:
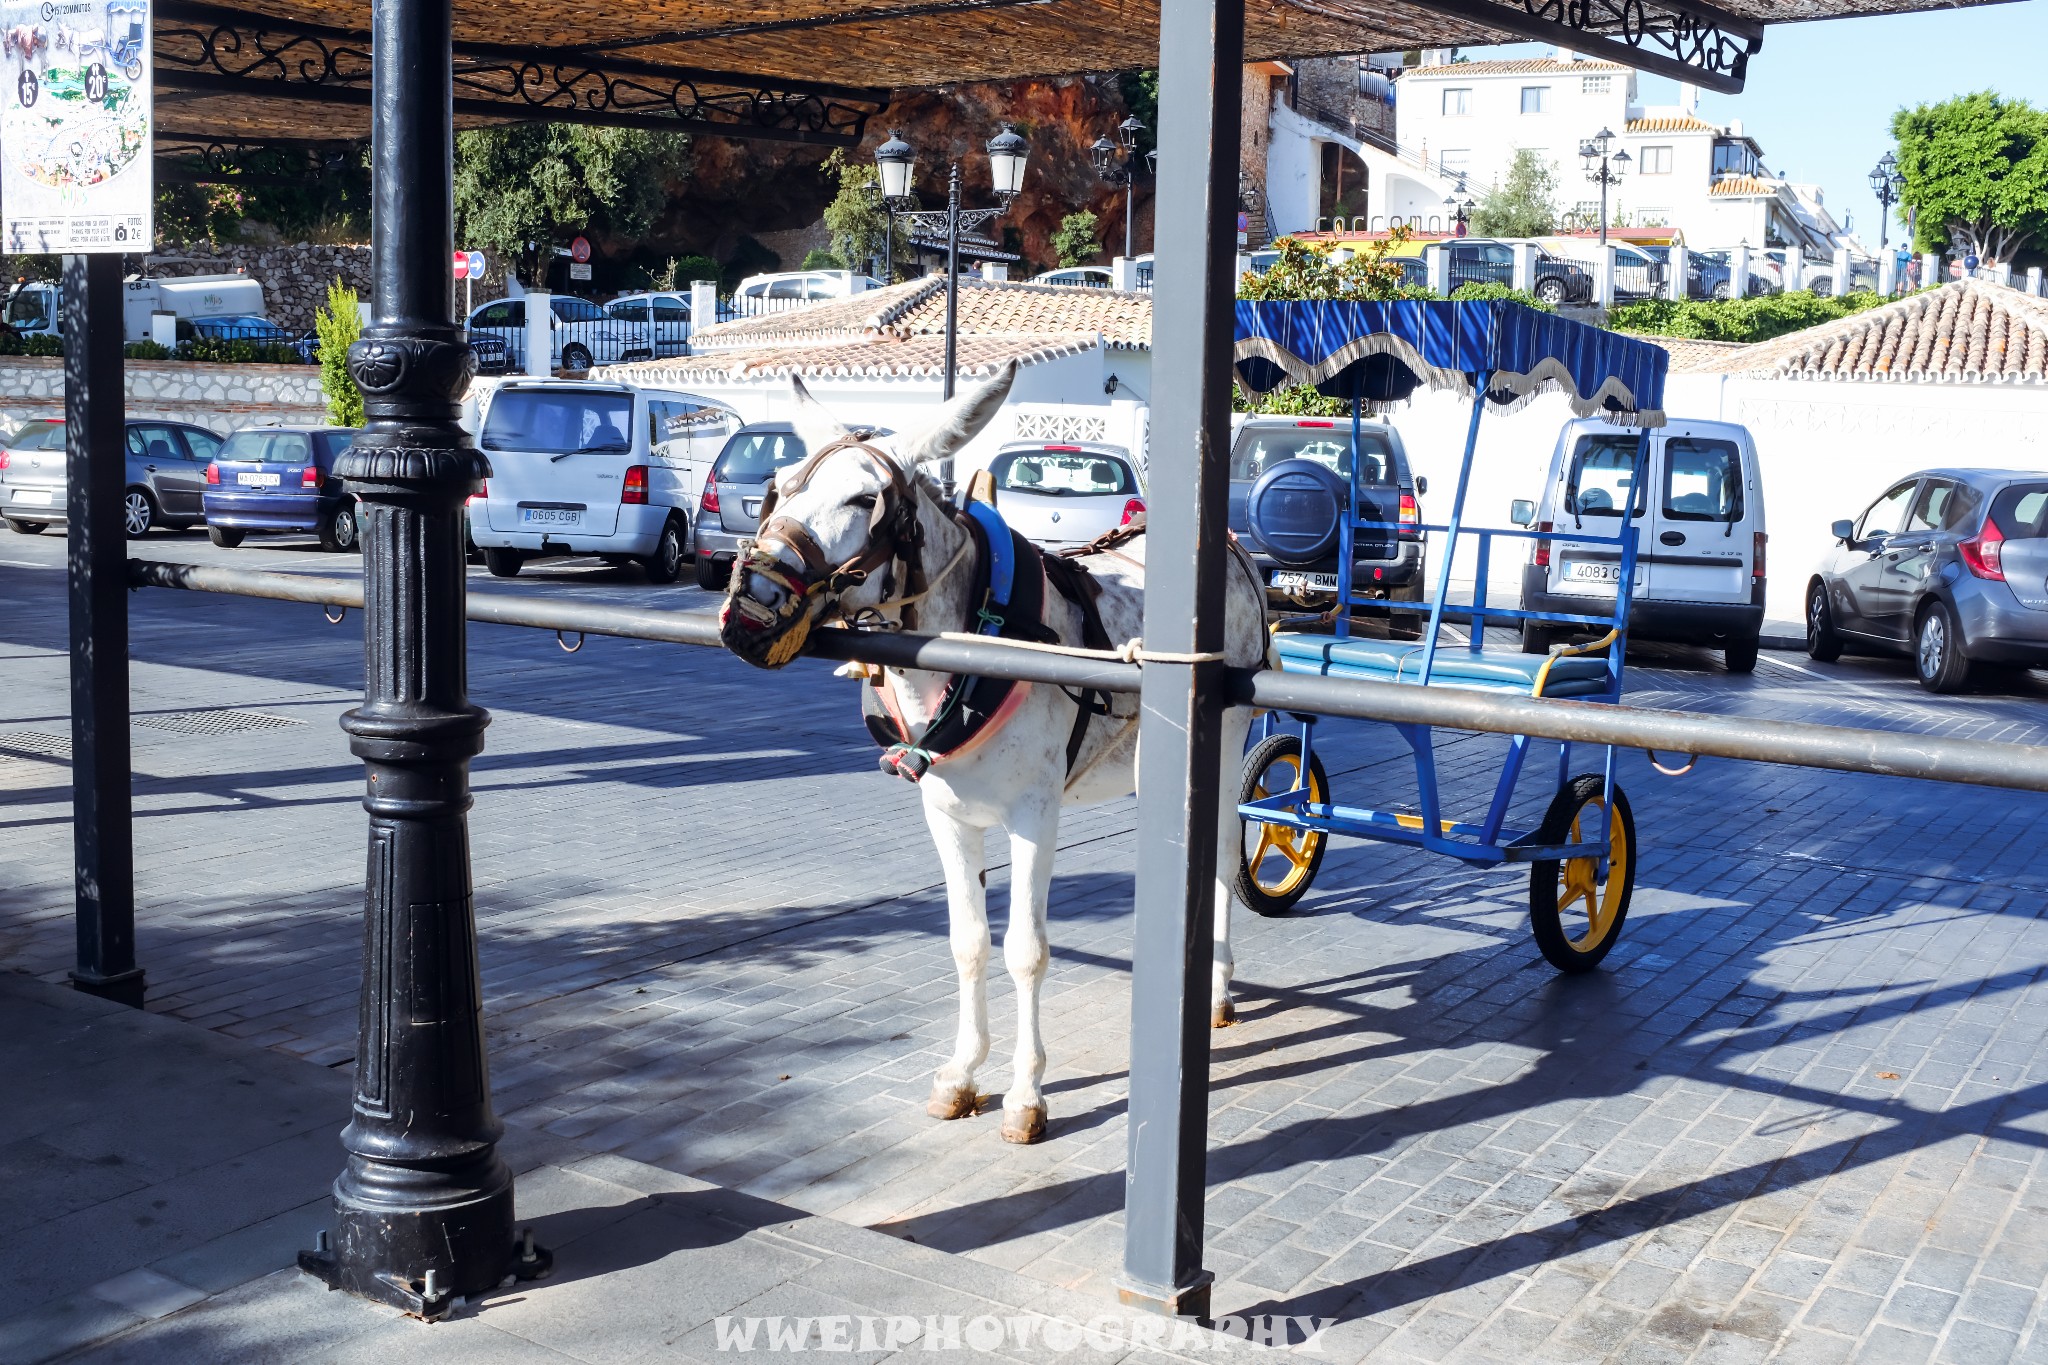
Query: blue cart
[(1582, 855)]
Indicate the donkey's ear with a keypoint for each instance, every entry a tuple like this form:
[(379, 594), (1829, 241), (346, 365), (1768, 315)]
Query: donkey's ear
[(960, 421), (817, 427)]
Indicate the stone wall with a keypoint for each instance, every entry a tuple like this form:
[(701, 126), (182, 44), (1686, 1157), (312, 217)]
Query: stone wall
[(221, 397), (294, 278)]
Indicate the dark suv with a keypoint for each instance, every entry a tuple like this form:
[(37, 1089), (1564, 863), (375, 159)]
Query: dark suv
[(1386, 564), (1472, 261), (1950, 566)]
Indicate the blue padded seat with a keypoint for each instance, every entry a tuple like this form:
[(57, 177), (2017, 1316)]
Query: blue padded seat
[(1455, 666)]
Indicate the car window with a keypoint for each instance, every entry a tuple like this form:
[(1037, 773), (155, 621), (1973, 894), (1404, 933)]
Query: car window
[(257, 445), (154, 443), (335, 444), (565, 420), (1602, 473), (26, 310), (786, 289), (751, 456), (1702, 480), (501, 315), (1061, 473), (1258, 449), (636, 311), (33, 434), (695, 421), (577, 310), (1881, 518), (204, 445), (657, 420), (2021, 511), (1931, 508), (671, 310)]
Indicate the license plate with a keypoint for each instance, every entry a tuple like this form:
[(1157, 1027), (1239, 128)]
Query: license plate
[(551, 516), (257, 480), (39, 496), (1580, 571), (1288, 581)]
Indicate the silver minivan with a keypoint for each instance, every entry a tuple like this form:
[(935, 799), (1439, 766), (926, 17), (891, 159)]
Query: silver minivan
[(580, 468), (1699, 511)]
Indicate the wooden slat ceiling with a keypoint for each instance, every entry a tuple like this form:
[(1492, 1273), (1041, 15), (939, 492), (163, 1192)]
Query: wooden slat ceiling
[(887, 43)]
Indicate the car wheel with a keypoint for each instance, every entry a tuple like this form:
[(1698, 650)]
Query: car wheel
[(575, 356), (665, 565), (503, 562), (26, 528), (1739, 655), (338, 529), (1938, 655), (1551, 291), (1822, 644), (1537, 639), (1721, 290), (138, 513), (713, 574), (227, 537)]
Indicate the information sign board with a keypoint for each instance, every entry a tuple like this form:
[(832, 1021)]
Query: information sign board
[(76, 126)]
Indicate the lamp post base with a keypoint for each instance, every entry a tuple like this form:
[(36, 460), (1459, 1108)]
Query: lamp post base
[(466, 1249), (123, 988), (1186, 1301)]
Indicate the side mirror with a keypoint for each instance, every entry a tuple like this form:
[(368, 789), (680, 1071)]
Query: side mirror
[(1522, 512), (1844, 531), (1421, 485)]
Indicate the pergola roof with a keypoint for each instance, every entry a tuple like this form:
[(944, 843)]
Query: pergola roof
[(814, 70)]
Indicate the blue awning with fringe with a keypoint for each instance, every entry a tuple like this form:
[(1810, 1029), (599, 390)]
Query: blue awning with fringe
[(1383, 352)]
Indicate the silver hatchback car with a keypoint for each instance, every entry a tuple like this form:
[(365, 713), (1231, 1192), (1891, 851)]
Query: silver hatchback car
[(1949, 566)]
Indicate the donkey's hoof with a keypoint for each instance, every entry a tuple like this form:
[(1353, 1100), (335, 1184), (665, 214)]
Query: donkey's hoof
[(1024, 1126), (1222, 1015), (952, 1101)]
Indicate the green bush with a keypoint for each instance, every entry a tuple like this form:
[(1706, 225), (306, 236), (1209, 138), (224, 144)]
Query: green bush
[(340, 325), (819, 259), (1289, 400), (1074, 242), (37, 343), (147, 350), (1481, 291), (687, 270), (225, 351), (1756, 319), (1313, 272)]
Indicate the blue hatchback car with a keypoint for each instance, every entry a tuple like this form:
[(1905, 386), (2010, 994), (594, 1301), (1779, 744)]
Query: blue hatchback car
[(281, 479)]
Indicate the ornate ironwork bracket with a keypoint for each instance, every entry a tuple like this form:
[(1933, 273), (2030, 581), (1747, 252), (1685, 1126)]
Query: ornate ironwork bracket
[(206, 49), (1687, 40), (285, 163)]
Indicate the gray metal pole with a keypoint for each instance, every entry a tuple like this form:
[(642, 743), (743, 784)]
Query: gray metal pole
[(952, 279), (1130, 195), (423, 1207), (1201, 45), (96, 569)]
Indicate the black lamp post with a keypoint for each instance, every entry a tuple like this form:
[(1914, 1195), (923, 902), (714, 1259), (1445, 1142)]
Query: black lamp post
[(1113, 162), (896, 162), (1460, 210), (1603, 170), (1887, 184), (888, 270)]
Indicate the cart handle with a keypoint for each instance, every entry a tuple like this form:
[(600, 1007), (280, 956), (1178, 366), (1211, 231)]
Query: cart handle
[(1566, 651)]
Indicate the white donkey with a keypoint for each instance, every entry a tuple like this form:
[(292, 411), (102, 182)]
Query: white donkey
[(858, 531)]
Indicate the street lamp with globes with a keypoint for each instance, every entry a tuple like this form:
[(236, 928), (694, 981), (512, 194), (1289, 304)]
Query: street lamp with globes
[(1114, 162), (1887, 184), (1603, 170)]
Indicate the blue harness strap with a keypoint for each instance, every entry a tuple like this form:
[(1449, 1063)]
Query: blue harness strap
[(1002, 565)]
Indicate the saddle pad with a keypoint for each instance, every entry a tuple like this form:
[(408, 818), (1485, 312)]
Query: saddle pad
[(1455, 665)]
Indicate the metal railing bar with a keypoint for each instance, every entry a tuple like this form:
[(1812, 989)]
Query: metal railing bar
[(1887, 753)]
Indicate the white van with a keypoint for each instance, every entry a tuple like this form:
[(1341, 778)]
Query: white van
[(580, 468), (795, 288), (1699, 512)]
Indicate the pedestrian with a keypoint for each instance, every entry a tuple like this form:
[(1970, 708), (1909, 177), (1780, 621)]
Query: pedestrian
[(1913, 273), (1903, 275)]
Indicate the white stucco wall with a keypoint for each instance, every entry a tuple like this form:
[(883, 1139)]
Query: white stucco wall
[(1826, 450), (221, 397)]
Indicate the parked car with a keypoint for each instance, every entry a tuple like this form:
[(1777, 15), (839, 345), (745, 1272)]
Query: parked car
[(1064, 495), (1705, 278), (1478, 261), (593, 469), (165, 475), (791, 289), (235, 327), (581, 334), (1083, 276), (1764, 274), (281, 479), (1949, 565), (730, 509), (1699, 512), (666, 318), (1280, 509)]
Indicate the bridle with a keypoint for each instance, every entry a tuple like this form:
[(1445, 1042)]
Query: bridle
[(772, 636)]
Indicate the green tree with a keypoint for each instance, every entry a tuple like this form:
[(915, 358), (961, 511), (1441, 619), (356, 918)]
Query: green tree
[(526, 185), (1074, 242), (817, 259), (339, 325), (1523, 204), (854, 219), (1976, 168)]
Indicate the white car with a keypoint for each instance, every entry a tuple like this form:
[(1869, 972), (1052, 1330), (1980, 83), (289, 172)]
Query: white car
[(1084, 276), (794, 288), (593, 469), (665, 316), (1065, 495), (582, 334)]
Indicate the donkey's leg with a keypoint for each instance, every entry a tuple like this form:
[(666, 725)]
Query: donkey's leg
[(1034, 836), (1229, 848), (960, 854)]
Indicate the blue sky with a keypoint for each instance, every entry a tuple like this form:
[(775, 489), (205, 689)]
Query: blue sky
[(1820, 96)]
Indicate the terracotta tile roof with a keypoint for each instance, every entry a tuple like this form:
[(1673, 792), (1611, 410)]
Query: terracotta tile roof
[(1671, 123), (918, 308), (1742, 185), (1967, 332), (881, 357), (1692, 353), (1528, 66)]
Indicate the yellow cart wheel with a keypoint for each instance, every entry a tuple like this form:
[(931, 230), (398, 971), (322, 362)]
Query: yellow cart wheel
[(1278, 862), (1575, 912)]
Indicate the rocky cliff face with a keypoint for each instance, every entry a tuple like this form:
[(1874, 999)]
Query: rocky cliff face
[(741, 189)]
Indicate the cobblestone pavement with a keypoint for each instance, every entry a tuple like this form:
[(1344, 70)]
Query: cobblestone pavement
[(1799, 1115)]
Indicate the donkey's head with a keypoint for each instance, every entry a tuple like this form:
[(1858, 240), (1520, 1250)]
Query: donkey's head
[(836, 528)]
